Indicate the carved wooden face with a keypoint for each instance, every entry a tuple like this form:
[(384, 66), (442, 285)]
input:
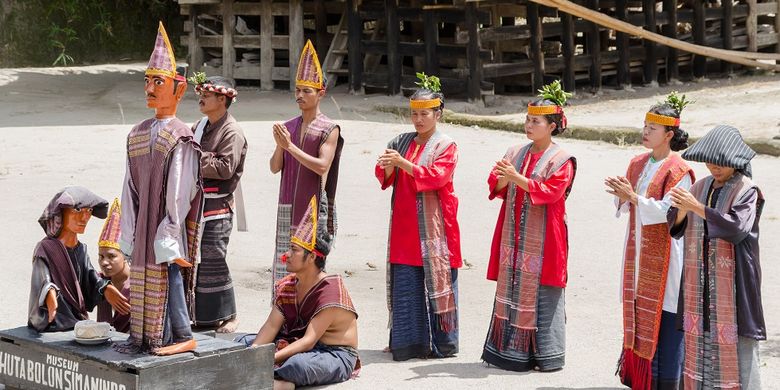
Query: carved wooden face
[(163, 94), (74, 220)]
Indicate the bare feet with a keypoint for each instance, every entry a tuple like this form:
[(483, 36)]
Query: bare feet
[(283, 385), (185, 346), (228, 326), (387, 349)]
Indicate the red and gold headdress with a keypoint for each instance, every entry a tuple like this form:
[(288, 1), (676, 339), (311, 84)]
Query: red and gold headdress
[(429, 83), (674, 101), (311, 234), (554, 93), (162, 62), (109, 237), (309, 69)]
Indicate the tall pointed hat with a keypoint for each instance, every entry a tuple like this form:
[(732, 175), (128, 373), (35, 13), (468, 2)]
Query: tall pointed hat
[(312, 235), (309, 69), (109, 237), (162, 62)]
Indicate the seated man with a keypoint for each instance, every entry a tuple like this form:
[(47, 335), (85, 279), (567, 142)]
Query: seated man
[(64, 286), (113, 266), (313, 321)]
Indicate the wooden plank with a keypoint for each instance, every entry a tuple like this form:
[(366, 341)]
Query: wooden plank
[(431, 35), (252, 72), (766, 8), (195, 50), (474, 62), (699, 36), (569, 82), (752, 25), (594, 49), (535, 49), (670, 30), (195, 2), (355, 36), (650, 64), (296, 38), (622, 45), (726, 32), (393, 33), (321, 27), (266, 46), (278, 42), (777, 26), (254, 9), (413, 14), (228, 50), (443, 50)]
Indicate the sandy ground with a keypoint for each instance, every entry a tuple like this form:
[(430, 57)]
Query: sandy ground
[(37, 158)]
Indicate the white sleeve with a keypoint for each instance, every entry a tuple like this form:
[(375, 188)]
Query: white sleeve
[(653, 211), (170, 241), (621, 207), (129, 209)]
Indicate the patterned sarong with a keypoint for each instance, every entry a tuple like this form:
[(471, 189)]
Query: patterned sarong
[(433, 238), (514, 323), (711, 358), (215, 300), (643, 303)]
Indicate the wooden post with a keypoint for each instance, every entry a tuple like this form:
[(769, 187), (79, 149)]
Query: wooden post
[(472, 52), (624, 57), (392, 36), (296, 38), (568, 51), (699, 37), (594, 49), (228, 51), (266, 46), (535, 49), (354, 37), (196, 52), (670, 30), (651, 63), (431, 35), (321, 27), (726, 31), (752, 25)]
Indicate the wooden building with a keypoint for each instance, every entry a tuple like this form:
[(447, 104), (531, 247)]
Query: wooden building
[(475, 47)]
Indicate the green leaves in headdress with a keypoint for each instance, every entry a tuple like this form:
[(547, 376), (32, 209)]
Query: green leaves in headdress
[(197, 79), (431, 83), (678, 102), (554, 93)]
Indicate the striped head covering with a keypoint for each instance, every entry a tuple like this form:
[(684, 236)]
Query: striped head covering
[(310, 234), (163, 62), (724, 146), (309, 69), (109, 236), (70, 197)]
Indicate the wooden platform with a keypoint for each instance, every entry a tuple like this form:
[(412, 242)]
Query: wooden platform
[(32, 360)]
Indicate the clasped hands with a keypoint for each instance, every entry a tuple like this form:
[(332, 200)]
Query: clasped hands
[(621, 187), (391, 159), (505, 170), (282, 136)]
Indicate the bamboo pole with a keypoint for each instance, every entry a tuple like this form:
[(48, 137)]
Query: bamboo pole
[(743, 58)]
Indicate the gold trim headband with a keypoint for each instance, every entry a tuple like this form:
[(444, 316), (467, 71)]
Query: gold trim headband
[(544, 110), (662, 119), (422, 104)]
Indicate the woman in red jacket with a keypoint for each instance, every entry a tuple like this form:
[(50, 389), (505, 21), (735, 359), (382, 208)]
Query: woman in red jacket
[(530, 243)]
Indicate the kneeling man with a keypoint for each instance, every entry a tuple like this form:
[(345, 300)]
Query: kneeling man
[(313, 321)]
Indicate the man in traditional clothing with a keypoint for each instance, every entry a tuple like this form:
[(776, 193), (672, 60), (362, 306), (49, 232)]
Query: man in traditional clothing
[(308, 149), (161, 211), (64, 286), (114, 266), (313, 321), (720, 298), (224, 146)]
